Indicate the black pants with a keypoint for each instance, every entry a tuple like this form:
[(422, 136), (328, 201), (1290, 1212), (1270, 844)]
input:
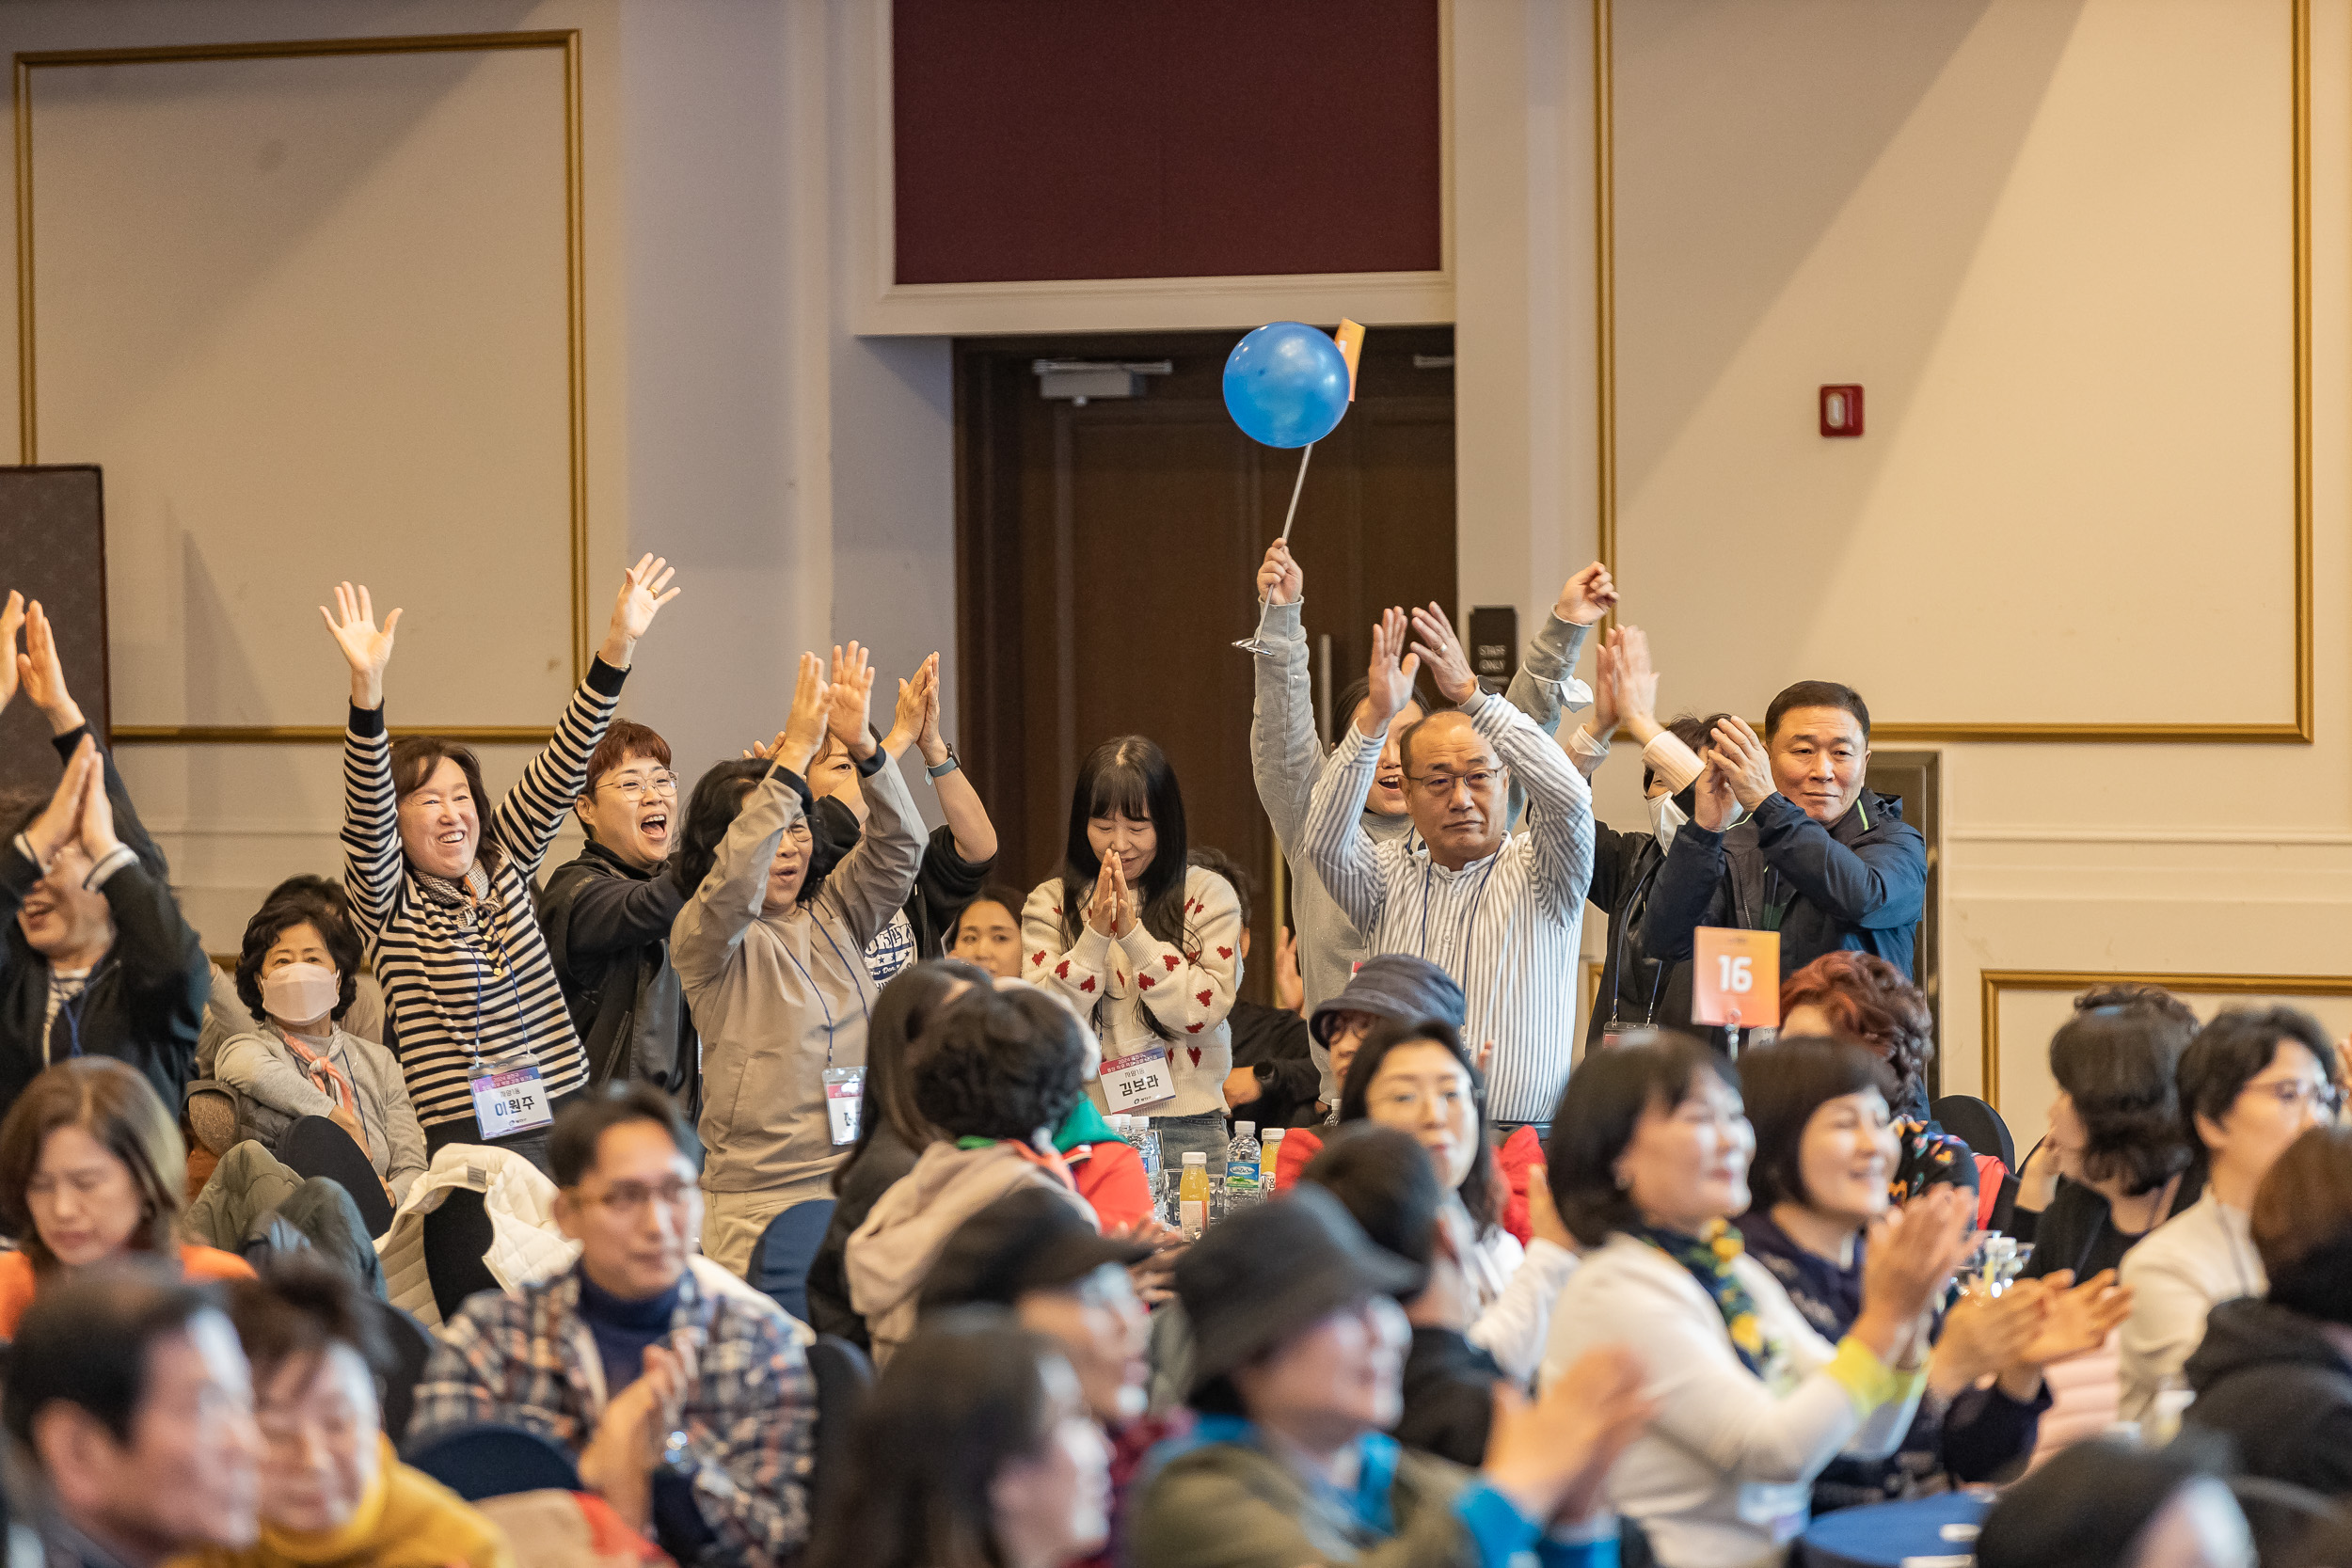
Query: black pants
[(314, 1145)]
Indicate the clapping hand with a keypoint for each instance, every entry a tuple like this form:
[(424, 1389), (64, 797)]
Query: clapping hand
[(366, 649), (11, 662), (60, 822), (1552, 1456), (852, 696), (2079, 1316), (795, 746), (907, 723), (43, 673), (1441, 652), (641, 599), (1279, 579), (1589, 596), (1744, 760), (1712, 803), (1390, 675)]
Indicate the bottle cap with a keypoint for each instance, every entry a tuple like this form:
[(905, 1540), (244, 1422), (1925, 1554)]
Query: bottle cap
[(1244, 1129), (1119, 1125), (1272, 1136), (1196, 1157)]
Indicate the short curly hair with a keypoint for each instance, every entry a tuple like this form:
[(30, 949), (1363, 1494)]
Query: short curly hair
[(1869, 1000), (1000, 1064), (296, 901)]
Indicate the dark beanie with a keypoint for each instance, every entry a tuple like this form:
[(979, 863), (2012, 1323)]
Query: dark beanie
[(2087, 1507)]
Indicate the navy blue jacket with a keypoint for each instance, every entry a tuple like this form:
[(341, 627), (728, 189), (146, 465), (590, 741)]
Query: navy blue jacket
[(1859, 884)]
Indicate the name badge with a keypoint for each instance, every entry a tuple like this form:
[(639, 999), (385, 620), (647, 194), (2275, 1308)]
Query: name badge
[(515, 1100), (1613, 1034), (1138, 1080), (845, 1097)]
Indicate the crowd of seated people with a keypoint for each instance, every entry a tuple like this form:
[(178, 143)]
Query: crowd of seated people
[(754, 1182)]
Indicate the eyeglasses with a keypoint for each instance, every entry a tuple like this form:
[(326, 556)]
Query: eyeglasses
[(633, 788), (1438, 786), (2293, 1094), (628, 1200)]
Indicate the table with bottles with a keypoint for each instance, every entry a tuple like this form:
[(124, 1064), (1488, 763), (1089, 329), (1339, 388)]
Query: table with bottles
[(1190, 1198)]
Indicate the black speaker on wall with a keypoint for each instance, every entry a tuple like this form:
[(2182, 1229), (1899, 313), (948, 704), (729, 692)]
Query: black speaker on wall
[(53, 547)]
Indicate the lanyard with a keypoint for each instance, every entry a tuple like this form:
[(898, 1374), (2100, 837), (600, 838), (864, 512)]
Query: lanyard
[(854, 969), (70, 1008)]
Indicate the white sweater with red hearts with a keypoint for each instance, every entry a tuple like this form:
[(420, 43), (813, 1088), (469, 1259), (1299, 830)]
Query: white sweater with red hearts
[(1122, 984)]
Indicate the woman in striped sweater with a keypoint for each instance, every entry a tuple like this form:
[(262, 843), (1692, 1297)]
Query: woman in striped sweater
[(471, 1004)]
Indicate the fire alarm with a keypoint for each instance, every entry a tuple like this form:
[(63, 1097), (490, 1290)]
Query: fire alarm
[(1841, 410)]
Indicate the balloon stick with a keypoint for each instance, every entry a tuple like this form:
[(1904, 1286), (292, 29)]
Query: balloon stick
[(1256, 641)]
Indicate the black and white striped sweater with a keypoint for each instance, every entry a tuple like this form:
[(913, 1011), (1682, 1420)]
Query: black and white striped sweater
[(469, 989)]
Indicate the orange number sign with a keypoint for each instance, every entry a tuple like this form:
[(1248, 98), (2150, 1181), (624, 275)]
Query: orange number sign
[(1736, 977)]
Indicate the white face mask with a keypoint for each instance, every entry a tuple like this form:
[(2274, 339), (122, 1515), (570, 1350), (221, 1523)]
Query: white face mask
[(299, 992), (1665, 818)]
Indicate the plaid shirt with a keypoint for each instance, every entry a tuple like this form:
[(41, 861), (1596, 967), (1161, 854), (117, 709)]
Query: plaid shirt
[(527, 1359)]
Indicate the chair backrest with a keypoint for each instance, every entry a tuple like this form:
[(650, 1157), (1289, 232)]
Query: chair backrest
[(490, 1460), (1978, 1125), (412, 1347), (843, 1376), (787, 1248)]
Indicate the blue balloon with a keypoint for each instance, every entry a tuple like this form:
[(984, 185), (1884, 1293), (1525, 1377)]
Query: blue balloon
[(1286, 383)]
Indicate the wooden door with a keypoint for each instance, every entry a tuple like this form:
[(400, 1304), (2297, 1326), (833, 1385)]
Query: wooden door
[(1107, 555)]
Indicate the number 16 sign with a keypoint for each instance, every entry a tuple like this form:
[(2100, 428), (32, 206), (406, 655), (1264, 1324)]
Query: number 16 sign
[(1735, 977)]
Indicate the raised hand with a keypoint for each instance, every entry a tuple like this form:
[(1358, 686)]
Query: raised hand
[(98, 813), (928, 741), (1605, 715), (60, 822), (1390, 671), (1552, 1456), (41, 672), (1743, 759), (907, 721), (853, 694), (640, 600), (1712, 803), (1589, 596), (1279, 579), (804, 731), (366, 649), (1637, 682), (1441, 651), (1290, 991), (11, 617), (1912, 1254)]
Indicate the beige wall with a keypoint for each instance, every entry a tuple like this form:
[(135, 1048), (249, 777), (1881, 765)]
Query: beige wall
[(2053, 238)]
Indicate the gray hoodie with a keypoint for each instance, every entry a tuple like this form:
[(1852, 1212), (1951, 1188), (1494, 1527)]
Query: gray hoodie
[(778, 995), (1287, 756)]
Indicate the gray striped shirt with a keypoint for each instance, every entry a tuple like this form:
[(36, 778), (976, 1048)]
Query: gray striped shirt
[(1506, 927)]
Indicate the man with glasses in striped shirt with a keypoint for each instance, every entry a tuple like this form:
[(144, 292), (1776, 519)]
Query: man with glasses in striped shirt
[(1501, 914)]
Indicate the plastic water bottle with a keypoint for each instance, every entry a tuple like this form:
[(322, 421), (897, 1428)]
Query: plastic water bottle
[(1241, 1168), (1139, 1133), (1270, 1162), (1192, 1196)]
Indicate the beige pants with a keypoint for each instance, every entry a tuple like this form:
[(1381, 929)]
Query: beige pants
[(734, 1222)]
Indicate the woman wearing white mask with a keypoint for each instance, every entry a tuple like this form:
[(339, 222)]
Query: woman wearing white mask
[(1636, 992), (298, 975)]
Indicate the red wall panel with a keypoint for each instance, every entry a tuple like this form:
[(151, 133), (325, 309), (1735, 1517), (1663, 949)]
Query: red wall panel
[(1164, 138)]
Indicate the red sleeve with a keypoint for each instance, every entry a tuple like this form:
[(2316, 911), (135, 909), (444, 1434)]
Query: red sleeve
[(1111, 1180), (1298, 1146), (1521, 1156)]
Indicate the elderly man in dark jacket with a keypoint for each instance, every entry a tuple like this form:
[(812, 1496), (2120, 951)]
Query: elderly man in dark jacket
[(1816, 856), (97, 960), (606, 915)]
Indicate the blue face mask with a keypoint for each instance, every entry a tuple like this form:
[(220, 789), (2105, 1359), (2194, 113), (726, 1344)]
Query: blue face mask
[(1665, 818)]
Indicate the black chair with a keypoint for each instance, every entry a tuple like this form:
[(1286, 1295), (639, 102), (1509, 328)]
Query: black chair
[(411, 1344), (1978, 1125), (787, 1248), (843, 1376), (490, 1460)]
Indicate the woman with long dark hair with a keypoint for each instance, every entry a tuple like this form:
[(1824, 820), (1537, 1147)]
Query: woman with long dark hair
[(974, 1449), (1145, 945), (892, 1131), (1419, 1079)]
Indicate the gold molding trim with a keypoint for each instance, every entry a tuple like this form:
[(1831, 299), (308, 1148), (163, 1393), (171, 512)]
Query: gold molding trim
[(1992, 982), (2304, 728), (575, 318), (317, 735)]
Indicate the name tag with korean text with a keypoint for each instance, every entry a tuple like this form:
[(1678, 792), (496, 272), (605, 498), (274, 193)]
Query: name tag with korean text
[(1138, 1080), (845, 1098), (515, 1100)]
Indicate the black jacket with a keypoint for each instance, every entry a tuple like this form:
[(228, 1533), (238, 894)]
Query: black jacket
[(145, 1001), (1449, 1396), (1861, 883), (608, 929), (1635, 989), (2272, 1382), (1273, 1044), (2077, 1230), (943, 885)]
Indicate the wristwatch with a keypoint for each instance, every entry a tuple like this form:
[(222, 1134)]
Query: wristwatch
[(946, 767), (676, 1457)]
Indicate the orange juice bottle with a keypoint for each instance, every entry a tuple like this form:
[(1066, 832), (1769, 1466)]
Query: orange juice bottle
[(1192, 1196)]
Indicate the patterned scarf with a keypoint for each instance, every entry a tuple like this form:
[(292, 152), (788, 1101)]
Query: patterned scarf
[(1709, 1258)]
